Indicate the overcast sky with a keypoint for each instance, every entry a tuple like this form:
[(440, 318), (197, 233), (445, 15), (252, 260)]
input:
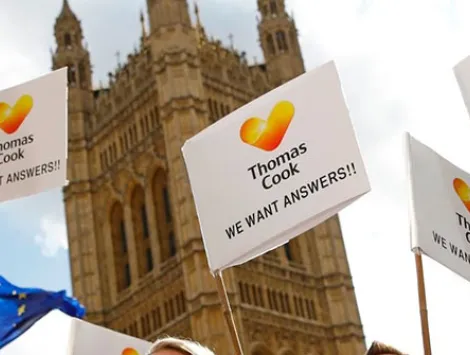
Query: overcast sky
[(395, 60)]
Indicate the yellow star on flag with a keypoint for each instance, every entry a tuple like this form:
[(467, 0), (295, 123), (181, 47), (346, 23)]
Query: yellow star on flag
[(22, 296), (21, 310)]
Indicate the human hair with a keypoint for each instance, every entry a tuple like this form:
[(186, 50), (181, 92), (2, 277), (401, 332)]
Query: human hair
[(186, 346), (382, 349)]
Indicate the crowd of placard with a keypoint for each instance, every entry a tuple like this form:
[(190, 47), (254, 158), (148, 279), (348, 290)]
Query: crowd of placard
[(329, 166)]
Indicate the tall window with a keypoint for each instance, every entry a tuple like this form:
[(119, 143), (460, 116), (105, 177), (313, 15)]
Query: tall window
[(172, 246), (119, 241), (166, 200), (270, 44), (144, 220), (140, 226), (122, 232), (281, 41), (292, 251), (149, 259), (82, 75), (127, 276), (163, 216), (68, 40), (273, 7), (71, 75), (288, 251)]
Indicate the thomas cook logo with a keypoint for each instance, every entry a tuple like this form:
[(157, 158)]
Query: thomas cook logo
[(268, 134), (129, 351), (12, 117), (463, 191)]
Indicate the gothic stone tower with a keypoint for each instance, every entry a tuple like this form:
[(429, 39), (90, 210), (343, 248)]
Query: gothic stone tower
[(137, 258)]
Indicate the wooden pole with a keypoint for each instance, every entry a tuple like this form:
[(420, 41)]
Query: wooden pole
[(423, 304), (228, 313)]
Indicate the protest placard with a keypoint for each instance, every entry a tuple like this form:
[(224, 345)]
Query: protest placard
[(462, 74), (275, 168), (33, 136), (440, 208)]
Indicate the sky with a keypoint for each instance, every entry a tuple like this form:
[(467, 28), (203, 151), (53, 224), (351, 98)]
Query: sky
[(395, 61)]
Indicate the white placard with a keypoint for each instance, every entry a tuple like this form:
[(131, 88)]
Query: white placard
[(462, 74), (58, 334), (274, 168), (33, 136), (440, 208)]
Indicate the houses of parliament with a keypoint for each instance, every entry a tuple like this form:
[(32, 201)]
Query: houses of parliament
[(136, 254)]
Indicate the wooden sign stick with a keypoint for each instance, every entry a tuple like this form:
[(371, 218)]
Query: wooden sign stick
[(228, 313)]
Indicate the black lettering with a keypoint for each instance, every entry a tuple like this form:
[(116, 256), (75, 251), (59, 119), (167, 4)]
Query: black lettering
[(251, 169), (271, 180), (262, 214), (233, 230), (332, 177), (250, 220), (313, 186), (303, 191), (437, 237), (323, 182), (454, 250), (16, 143), (31, 172), (260, 169), (6, 158), (463, 222), (342, 173), (294, 153)]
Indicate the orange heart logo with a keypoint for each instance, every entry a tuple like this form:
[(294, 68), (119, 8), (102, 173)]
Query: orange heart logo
[(11, 118), (129, 351), (463, 191), (268, 134)]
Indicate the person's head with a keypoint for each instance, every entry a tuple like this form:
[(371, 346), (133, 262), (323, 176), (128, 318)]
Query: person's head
[(175, 346), (382, 349)]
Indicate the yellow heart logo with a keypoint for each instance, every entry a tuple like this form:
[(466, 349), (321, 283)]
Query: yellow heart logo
[(463, 191), (267, 135), (11, 118)]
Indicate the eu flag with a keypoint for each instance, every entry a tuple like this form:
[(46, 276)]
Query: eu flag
[(20, 308)]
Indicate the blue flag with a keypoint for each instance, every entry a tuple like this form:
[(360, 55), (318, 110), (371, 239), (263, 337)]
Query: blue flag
[(20, 308)]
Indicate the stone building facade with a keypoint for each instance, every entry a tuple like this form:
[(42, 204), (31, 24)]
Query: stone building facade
[(136, 254)]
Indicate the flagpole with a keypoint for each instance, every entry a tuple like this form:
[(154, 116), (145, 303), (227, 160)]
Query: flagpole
[(422, 303), (222, 291)]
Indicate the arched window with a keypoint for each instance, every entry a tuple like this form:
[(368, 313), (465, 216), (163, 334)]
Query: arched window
[(281, 41), (260, 296), (68, 40), (270, 44), (164, 218), (141, 231), (82, 75), (273, 7), (286, 301), (119, 241)]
